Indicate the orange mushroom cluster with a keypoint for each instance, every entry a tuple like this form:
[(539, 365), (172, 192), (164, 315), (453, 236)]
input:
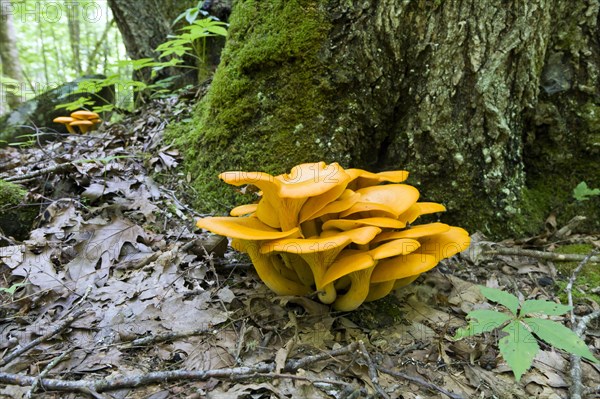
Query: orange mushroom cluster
[(347, 235), (83, 120)]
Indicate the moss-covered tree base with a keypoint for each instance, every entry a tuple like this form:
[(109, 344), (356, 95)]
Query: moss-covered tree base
[(15, 218), (447, 90)]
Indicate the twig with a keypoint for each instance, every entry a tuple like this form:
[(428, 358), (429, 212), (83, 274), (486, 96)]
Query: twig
[(47, 369), (116, 383), (61, 167), (293, 365), (372, 370), (591, 390), (60, 327), (155, 339), (542, 255), (419, 381), (262, 370), (576, 389), (574, 274)]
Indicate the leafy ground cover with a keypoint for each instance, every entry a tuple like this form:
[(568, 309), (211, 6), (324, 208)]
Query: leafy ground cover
[(115, 294)]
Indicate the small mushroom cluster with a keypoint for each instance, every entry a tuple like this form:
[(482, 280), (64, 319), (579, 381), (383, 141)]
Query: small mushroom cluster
[(338, 232), (83, 120)]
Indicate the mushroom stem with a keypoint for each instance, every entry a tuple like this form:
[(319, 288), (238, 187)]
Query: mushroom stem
[(267, 271), (309, 228), (327, 294), (379, 290), (357, 293), (297, 264)]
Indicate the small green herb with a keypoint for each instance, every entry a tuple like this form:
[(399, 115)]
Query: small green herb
[(519, 346), (583, 193)]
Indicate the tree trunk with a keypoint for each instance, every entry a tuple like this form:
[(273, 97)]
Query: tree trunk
[(144, 24), (9, 55), (447, 89), (73, 21)]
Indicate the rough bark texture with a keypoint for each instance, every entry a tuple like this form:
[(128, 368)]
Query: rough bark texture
[(9, 55), (447, 89)]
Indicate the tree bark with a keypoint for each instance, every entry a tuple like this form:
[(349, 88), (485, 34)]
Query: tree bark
[(74, 23), (447, 89), (9, 55)]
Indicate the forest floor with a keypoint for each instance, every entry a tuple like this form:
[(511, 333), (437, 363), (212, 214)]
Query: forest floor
[(115, 294)]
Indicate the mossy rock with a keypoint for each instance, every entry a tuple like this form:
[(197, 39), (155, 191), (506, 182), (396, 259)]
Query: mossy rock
[(16, 217)]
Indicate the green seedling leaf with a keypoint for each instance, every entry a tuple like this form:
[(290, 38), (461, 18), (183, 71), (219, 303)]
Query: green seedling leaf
[(582, 192), (518, 348), (502, 297), (544, 307), (481, 321), (11, 290), (560, 337)]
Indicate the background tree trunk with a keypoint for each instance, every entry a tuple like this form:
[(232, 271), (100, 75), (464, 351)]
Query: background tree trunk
[(144, 24), (447, 89), (74, 23), (9, 56)]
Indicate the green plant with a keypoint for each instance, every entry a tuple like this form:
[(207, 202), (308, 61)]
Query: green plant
[(583, 193), (11, 290), (192, 42), (519, 346)]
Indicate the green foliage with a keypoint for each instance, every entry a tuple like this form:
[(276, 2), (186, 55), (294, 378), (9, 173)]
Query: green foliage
[(11, 290), (583, 193), (519, 346), (191, 42)]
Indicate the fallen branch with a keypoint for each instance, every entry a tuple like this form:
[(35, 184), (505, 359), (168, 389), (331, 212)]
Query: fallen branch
[(542, 255), (155, 339), (372, 370), (93, 387), (56, 330), (47, 369), (293, 365), (419, 381), (61, 167), (576, 389)]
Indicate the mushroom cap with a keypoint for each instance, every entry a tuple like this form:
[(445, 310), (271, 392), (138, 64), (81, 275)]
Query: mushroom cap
[(398, 197), (421, 208), (350, 260), (348, 224), (303, 181), (312, 179), (361, 236), (345, 201), (63, 119), (244, 228), (82, 114), (362, 178), (402, 246), (284, 195), (418, 231), (243, 210), (402, 266), (81, 122), (445, 245)]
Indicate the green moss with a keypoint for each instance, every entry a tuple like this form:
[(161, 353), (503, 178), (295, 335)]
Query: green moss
[(378, 314), (588, 277), (10, 194), (264, 109), (15, 219)]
